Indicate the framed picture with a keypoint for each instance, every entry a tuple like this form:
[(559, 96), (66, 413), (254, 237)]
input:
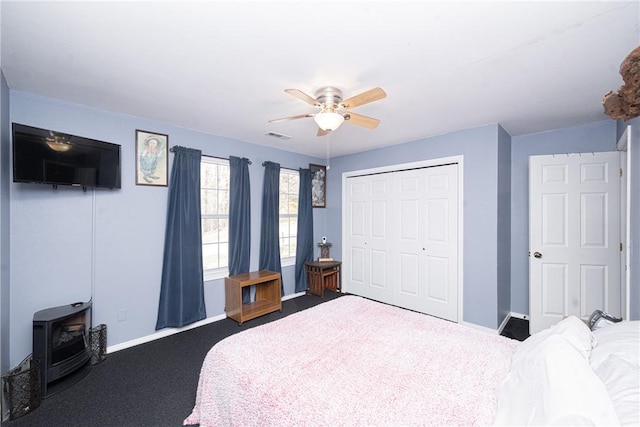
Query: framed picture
[(318, 185), (152, 158)]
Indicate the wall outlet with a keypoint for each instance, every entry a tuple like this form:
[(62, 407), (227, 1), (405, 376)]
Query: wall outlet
[(122, 315)]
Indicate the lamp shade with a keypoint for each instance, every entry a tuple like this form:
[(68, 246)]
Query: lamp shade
[(328, 121)]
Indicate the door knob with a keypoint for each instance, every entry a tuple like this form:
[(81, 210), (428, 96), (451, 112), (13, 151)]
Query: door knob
[(537, 255)]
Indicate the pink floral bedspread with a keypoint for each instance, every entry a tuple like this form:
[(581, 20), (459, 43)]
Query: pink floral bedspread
[(352, 361)]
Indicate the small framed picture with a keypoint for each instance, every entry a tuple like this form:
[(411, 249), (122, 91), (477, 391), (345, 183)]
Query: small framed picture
[(318, 185), (152, 159)]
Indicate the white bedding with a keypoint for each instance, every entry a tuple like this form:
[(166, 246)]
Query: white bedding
[(616, 361), (568, 375), (551, 382), (352, 361)]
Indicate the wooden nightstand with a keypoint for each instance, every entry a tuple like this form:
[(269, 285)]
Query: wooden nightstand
[(323, 275)]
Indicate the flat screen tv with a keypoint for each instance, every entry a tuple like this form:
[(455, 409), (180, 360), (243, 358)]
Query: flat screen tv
[(49, 157)]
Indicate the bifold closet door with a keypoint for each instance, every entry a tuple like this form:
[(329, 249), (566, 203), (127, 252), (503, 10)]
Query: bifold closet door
[(426, 241), (402, 239), (368, 238)]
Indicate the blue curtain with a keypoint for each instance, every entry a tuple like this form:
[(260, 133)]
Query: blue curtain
[(182, 284), (269, 241), (304, 245), (239, 220)]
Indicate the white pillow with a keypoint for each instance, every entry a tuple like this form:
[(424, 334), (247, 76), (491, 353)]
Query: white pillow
[(621, 339), (616, 361), (622, 380), (572, 329), (551, 382)]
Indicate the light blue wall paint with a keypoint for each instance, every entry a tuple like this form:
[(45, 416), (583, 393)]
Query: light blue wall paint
[(593, 137), (55, 234), (504, 224), (480, 150), (5, 167), (634, 222)]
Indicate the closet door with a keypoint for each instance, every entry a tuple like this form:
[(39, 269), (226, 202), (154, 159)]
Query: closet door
[(401, 239), (367, 235), (426, 241)]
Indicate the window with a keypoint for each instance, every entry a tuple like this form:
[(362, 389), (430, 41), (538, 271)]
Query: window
[(289, 187), (214, 197)]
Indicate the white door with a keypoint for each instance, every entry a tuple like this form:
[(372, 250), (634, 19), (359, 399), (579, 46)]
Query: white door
[(426, 252), (368, 212), (401, 239), (574, 236)]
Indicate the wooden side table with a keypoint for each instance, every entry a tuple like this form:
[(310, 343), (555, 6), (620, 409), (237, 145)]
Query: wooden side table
[(323, 275), (268, 295)]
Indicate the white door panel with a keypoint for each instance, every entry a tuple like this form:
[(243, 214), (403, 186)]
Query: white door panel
[(441, 241), (356, 270), (411, 289), (376, 243), (357, 209), (366, 271), (554, 290), (574, 237)]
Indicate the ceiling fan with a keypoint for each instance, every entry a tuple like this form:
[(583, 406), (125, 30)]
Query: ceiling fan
[(333, 110)]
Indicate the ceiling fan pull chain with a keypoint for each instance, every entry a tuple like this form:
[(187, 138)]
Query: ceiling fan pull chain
[(328, 156)]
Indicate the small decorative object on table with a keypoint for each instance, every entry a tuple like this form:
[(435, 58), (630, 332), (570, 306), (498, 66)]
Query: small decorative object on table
[(324, 250)]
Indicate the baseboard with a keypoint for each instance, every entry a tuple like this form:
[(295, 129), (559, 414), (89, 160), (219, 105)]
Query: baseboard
[(292, 296), (163, 333), (504, 323), (482, 328), (519, 315), (172, 331)]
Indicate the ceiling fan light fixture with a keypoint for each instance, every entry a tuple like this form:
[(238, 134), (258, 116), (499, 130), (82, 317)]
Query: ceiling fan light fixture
[(328, 121), (58, 143)]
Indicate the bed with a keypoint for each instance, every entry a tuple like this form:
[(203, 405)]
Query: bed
[(353, 361)]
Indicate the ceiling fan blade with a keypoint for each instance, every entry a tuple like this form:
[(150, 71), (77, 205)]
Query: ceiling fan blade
[(360, 120), (286, 119), (364, 98), (322, 132), (301, 96)]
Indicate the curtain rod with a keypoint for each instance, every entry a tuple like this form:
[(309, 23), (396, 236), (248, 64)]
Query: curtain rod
[(282, 167), (206, 155)]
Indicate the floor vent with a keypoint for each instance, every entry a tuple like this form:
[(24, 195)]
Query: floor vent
[(278, 135)]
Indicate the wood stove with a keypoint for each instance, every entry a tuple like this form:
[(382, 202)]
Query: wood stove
[(61, 342)]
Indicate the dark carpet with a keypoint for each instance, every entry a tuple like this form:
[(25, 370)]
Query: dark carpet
[(154, 384), (517, 329)]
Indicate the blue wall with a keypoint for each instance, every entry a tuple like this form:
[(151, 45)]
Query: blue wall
[(67, 244), (504, 225), (593, 137)]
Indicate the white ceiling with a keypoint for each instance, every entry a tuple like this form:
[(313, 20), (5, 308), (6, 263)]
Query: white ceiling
[(221, 67)]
